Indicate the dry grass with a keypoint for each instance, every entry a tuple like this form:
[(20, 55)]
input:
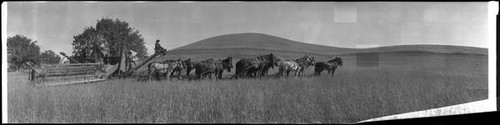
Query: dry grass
[(401, 83)]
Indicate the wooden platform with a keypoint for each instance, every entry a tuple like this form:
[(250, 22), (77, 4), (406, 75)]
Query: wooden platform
[(75, 82)]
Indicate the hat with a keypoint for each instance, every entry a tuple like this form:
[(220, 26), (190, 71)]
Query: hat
[(157, 40)]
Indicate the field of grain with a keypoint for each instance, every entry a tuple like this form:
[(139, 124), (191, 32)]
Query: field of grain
[(361, 89)]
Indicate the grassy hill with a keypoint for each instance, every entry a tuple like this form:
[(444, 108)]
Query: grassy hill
[(260, 41), (445, 49), (243, 45)]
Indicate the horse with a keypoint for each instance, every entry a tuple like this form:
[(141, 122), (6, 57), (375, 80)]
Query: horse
[(297, 65), (189, 66), (269, 62), (163, 68), (286, 66), (330, 66), (178, 69), (221, 65), (304, 63), (192, 65), (203, 68), (244, 65), (254, 67), (215, 67)]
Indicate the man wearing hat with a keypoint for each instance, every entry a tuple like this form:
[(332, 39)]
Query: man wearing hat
[(158, 47)]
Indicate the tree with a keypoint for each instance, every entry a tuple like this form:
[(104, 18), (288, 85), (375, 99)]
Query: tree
[(20, 50), (86, 44), (109, 36), (49, 57)]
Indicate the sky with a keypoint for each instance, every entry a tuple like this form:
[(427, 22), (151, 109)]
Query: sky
[(339, 24)]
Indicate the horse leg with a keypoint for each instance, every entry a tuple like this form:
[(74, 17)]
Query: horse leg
[(282, 72), (170, 74), (150, 75), (258, 74), (179, 75), (158, 76), (188, 70), (220, 74), (174, 71), (198, 76), (318, 72), (216, 75)]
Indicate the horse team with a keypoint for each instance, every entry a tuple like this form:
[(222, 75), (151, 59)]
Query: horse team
[(245, 68)]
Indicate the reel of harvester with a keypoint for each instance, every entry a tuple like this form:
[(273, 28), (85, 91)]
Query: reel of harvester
[(72, 73), (68, 74)]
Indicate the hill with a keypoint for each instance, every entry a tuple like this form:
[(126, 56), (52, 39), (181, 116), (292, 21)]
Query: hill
[(252, 44), (261, 42), (444, 49)]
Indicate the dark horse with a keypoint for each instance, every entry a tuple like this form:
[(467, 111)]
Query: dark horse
[(330, 66), (208, 67), (190, 65), (203, 68), (255, 67), (269, 64), (215, 67)]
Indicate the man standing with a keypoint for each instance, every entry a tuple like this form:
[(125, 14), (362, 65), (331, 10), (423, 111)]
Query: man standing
[(130, 58), (158, 47)]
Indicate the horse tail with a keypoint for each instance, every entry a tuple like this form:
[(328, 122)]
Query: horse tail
[(149, 66), (239, 68), (281, 69)]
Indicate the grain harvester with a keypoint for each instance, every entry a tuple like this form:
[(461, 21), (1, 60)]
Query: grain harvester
[(74, 73), (71, 73)]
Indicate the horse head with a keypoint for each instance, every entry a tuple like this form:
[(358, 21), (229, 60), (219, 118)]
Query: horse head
[(227, 63), (311, 61), (186, 63), (340, 61), (273, 60), (337, 60), (181, 64)]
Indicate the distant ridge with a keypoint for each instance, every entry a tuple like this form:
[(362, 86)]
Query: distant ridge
[(427, 48), (259, 41)]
